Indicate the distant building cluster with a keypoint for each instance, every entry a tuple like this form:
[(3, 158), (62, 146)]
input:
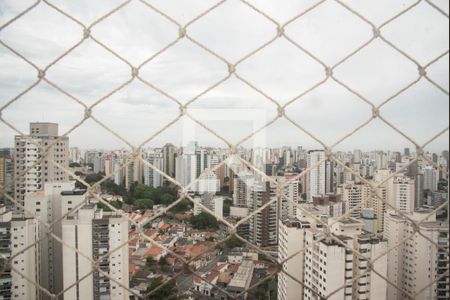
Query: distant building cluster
[(333, 232)]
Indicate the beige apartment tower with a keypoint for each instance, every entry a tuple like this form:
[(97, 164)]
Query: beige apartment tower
[(32, 167)]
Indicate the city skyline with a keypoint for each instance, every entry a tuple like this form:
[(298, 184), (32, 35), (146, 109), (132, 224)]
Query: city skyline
[(283, 212)]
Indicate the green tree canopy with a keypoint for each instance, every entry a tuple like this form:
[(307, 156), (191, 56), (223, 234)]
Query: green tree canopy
[(168, 290), (183, 207), (167, 199), (144, 204), (204, 221), (93, 178)]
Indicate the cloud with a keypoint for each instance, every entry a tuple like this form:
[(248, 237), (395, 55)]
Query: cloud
[(233, 30)]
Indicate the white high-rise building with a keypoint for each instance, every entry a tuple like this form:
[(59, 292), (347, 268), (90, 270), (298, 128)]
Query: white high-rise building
[(118, 170), (17, 236), (417, 263), (29, 177), (324, 267), (152, 177), (75, 155), (357, 156), (291, 241), (95, 233), (316, 182), (288, 204), (108, 165), (355, 196), (210, 201), (209, 183), (186, 168), (404, 194), (50, 205), (330, 266), (430, 178), (191, 165)]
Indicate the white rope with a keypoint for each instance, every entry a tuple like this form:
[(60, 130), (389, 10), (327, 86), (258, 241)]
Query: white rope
[(233, 72)]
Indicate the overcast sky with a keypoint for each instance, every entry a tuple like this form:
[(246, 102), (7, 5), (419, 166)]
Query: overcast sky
[(232, 109)]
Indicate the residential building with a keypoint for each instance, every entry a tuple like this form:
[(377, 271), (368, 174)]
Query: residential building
[(325, 266), (50, 205), (403, 193), (430, 178), (152, 177), (6, 175), (291, 242), (264, 224), (330, 205), (356, 197), (329, 267), (17, 237), (95, 233), (31, 173), (169, 154), (320, 179), (211, 202), (416, 265)]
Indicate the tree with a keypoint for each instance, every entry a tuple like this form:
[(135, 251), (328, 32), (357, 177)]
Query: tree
[(163, 261), (234, 242), (141, 191), (113, 189), (167, 199), (204, 221), (144, 204), (150, 262), (182, 207), (93, 178), (168, 290), (116, 204)]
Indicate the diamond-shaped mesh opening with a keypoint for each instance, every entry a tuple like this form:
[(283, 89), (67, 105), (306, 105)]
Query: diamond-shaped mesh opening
[(152, 221)]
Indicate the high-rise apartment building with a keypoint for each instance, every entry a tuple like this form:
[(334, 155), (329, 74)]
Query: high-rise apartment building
[(152, 177), (330, 205), (291, 241), (264, 224), (17, 236), (75, 155), (186, 168), (317, 176), (133, 172), (30, 173), (330, 266), (211, 202), (50, 205), (191, 165), (324, 267), (430, 178), (356, 197), (169, 154), (403, 194), (95, 233), (417, 265), (257, 193), (6, 175)]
